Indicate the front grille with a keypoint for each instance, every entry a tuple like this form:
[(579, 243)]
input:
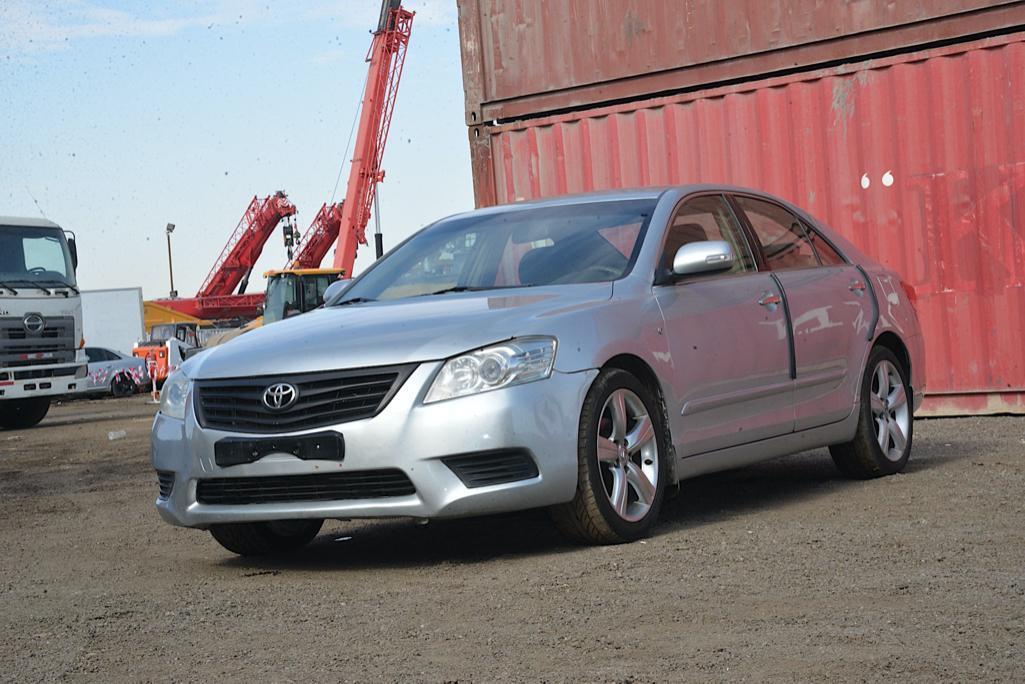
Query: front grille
[(57, 338), (328, 398), (165, 481), (492, 467), (44, 372), (360, 484)]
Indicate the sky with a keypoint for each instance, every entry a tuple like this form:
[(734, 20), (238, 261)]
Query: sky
[(119, 117)]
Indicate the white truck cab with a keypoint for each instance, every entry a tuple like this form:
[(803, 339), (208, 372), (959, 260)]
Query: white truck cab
[(41, 345)]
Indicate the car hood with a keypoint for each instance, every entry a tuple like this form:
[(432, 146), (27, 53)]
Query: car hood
[(396, 332)]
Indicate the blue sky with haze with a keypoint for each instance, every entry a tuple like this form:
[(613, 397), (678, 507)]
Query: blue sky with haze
[(121, 116)]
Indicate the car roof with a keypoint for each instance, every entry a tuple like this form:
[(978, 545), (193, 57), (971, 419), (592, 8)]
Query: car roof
[(25, 222), (652, 192)]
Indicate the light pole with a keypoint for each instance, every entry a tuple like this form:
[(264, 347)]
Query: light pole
[(170, 267)]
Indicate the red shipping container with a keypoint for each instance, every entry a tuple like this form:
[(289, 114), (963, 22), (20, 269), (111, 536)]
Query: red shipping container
[(918, 158)]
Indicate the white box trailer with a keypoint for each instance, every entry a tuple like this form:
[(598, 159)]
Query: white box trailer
[(112, 318)]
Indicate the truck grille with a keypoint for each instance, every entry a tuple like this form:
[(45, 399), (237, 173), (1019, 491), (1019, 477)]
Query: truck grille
[(237, 405), (360, 484), (55, 343)]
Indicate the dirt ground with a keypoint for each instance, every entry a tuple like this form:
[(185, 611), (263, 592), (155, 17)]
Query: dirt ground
[(777, 571)]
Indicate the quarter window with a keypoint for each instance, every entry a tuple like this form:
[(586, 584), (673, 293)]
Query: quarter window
[(706, 218), (827, 255), (784, 241)]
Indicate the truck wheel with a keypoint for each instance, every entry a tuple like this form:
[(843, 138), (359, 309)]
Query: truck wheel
[(621, 463), (882, 444), (122, 385), (266, 538), (18, 414)]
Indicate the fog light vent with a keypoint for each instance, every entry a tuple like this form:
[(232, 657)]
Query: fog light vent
[(484, 468), (165, 480)]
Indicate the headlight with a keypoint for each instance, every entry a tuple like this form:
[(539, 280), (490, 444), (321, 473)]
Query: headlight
[(174, 397), (520, 360)]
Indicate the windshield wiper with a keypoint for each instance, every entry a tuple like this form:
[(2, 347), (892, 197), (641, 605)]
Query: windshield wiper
[(33, 283), (457, 288), (355, 300), (61, 283), (8, 287)]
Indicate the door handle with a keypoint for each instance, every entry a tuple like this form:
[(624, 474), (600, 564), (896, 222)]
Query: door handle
[(770, 299), (857, 287)]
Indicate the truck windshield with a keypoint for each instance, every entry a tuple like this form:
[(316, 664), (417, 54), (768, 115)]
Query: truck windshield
[(37, 255), (522, 247)]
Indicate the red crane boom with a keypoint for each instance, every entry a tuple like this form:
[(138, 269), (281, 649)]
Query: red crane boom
[(386, 56), (239, 255), (318, 238), (217, 298)]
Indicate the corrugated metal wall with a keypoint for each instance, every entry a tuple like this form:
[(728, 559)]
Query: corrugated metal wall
[(525, 57), (919, 159)]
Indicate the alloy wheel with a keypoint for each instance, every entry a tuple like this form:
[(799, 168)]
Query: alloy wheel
[(628, 455), (890, 410)]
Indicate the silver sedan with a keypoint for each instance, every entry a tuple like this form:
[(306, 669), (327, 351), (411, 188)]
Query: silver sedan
[(114, 373), (581, 354)]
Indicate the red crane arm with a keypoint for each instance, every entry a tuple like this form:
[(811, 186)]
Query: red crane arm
[(244, 246), (386, 56), (317, 240)]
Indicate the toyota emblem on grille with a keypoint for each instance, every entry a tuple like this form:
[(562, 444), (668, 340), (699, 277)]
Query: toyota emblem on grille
[(33, 324), (280, 396)]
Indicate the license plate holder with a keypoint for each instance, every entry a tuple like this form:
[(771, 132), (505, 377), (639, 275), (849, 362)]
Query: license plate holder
[(320, 446)]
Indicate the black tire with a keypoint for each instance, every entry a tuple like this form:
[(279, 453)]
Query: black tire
[(122, 385), (591, 517), (19, 414), (266, 538), (863, 457)]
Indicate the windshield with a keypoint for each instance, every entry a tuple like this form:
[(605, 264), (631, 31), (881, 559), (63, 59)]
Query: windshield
[(35, 254), (578, 243), (281, 300)]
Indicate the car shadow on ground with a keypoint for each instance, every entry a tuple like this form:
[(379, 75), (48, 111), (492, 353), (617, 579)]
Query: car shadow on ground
[(707, 500)]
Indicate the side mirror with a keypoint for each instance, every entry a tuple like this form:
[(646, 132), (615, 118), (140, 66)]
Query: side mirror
[(73, 248), (335, 289), (707, 256)]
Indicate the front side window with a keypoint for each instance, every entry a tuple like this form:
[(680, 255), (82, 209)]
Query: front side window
[(784, 242), (557, 245), (706, 218)]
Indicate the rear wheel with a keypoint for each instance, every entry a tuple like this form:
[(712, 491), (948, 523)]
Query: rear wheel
[(621, 463), (122, 385), (882, 444), (266, 538), (18, 414)]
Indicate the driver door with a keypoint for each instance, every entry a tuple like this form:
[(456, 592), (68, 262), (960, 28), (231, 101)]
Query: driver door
[(727, 333)]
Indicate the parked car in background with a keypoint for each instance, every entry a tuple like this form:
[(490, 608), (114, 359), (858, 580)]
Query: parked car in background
[(580, 353), (114, 373)]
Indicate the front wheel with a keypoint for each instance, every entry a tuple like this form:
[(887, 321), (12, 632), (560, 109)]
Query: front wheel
[(18, 414), (882, 444), (621, 463), (266, 538)]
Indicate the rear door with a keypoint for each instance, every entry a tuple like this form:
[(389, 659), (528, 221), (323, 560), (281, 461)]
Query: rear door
[(727, 335), (830, 310)]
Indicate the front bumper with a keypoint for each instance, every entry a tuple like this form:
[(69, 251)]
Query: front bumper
[(26, 382), (541, 417)]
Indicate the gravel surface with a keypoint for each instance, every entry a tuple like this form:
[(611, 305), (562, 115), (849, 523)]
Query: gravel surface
[(778, 571)]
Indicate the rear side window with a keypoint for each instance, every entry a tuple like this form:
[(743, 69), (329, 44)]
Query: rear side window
[(784, 241), (827, 255)]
